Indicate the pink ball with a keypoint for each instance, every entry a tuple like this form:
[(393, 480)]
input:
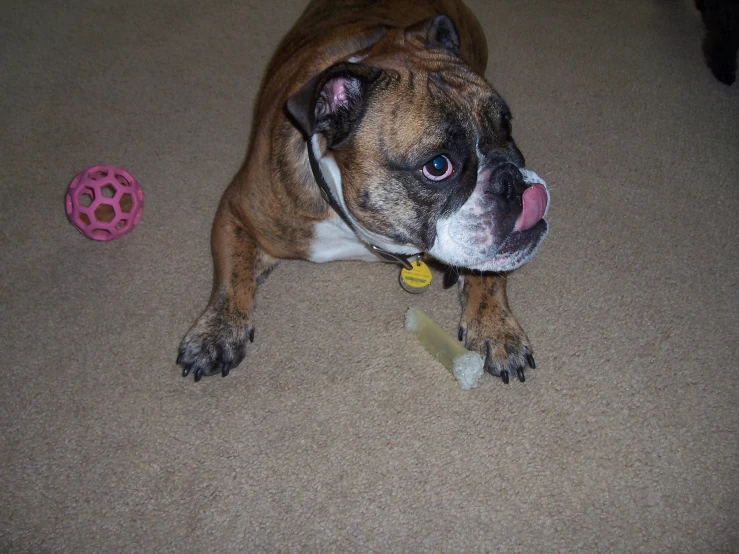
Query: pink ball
[(104, 202)]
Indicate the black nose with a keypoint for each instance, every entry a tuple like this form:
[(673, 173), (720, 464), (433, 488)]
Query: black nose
[(506, 181)]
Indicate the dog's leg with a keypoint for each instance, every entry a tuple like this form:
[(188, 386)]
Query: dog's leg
[(217, 340), (488, 326)]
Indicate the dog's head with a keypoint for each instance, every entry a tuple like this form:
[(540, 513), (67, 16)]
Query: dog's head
[(419, 147)]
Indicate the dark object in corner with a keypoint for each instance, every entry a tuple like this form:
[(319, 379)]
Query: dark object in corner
[(721, 18)]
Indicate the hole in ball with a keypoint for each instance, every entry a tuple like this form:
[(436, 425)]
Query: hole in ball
[(108, 191), (96, 175), (122, 180), (104, 213), (86, 198), (126, 203)]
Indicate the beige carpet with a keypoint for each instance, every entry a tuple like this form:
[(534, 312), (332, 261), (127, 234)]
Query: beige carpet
[(339, 434)]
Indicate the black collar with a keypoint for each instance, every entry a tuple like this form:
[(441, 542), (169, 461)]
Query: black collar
[(402, 259)]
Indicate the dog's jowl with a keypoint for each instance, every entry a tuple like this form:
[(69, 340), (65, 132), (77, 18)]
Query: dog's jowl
[(376, 137)]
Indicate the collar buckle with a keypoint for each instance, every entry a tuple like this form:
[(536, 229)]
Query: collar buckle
[(402, 259)]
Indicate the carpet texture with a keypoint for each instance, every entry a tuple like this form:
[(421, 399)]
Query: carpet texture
[(339, 433)]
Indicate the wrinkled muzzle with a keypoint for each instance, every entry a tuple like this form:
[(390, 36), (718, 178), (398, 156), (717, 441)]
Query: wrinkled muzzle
[(500, 226)]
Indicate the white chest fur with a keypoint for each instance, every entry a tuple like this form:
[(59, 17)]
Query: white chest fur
[(333, 240)]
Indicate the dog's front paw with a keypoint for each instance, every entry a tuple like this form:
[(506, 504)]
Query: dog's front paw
[(501, 341), (216, 343)]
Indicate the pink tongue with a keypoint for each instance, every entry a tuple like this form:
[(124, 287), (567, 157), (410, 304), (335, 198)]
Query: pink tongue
[(534, 206)]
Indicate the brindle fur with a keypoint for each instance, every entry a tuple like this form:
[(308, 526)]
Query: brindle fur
[(488, 326), (270, 208)]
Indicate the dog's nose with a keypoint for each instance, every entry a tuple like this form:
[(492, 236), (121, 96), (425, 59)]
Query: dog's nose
[(506, 181)]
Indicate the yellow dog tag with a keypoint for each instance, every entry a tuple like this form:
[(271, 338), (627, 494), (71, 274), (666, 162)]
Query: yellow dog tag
[(417, 279)]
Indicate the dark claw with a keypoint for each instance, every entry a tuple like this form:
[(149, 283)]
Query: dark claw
[(179, 358), (460, 334), (530, 361), (198, 374), (521, 376), (251, 335), (225, 369), (505, 376), (186, 371)]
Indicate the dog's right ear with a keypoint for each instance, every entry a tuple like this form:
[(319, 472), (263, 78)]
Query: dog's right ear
[(333, 102), (437, 32)]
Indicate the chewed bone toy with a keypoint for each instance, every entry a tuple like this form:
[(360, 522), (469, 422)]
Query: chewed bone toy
[(466, 366)]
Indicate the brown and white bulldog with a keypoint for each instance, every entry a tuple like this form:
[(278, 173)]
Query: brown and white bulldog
[(376, 137)]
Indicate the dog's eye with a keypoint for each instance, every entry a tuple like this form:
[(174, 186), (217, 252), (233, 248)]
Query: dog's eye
[(438, 169)]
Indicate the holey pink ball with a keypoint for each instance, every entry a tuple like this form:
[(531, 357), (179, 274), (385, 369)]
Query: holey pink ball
[(104, 202)]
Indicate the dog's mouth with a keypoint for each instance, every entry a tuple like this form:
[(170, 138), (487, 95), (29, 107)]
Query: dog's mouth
[(534, 200), (520, 246), (529, 230), (517, 248), (469, 238)]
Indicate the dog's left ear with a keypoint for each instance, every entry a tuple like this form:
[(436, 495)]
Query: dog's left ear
[(333, 102), (438, 32)]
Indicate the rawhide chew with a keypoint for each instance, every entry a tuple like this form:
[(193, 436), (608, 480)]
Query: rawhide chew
[(466, 366)]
